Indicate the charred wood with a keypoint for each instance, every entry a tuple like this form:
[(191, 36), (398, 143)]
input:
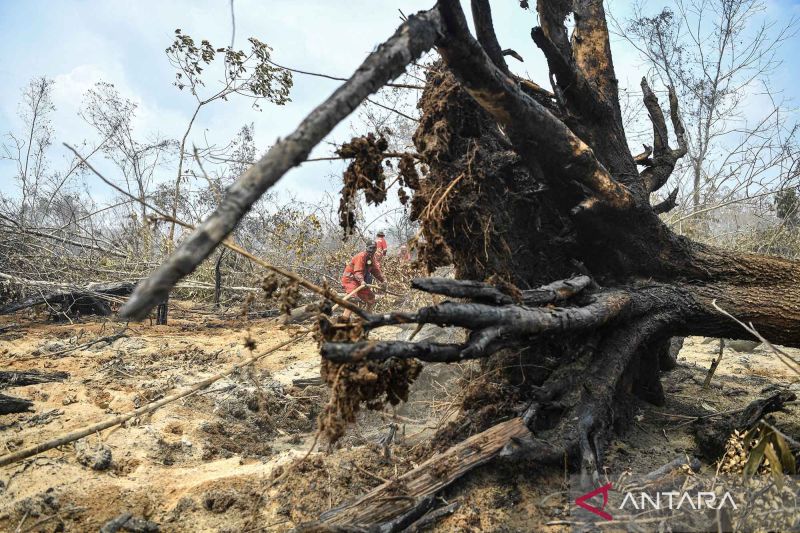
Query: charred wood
[(90, 299), (10, 404), (15, 378)]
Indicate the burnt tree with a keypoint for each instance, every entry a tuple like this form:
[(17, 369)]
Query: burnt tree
[(547, 188), (522, 187)]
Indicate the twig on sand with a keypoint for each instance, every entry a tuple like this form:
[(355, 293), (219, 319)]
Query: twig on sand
[(108, 338), (785, 358), (714, 365)]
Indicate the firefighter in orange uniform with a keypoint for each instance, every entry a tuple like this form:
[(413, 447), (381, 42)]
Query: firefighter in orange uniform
[(404, 254), (380, 242), (359, 271)]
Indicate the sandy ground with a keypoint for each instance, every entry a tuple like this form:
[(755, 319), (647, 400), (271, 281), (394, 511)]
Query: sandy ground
[(205, 463)]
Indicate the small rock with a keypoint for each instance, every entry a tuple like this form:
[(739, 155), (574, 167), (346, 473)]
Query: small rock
[(219, 501), (128, 522), (96, 458), (742, 345)]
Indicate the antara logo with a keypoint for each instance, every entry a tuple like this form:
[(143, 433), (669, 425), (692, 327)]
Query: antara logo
[(581, 501), (642, 501)]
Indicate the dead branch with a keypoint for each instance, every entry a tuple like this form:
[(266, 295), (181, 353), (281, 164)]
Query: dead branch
[(484, 29), (380, 507), (531, 127), (89, 299), (644, 157), (572, 86), (664, 158), (337, 78), (432, 517), (668, 204), (10, 404)]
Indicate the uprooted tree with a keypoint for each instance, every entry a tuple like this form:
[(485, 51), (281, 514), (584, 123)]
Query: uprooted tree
[(522, 187)]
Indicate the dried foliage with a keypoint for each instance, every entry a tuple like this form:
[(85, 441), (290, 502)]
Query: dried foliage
[(364, 173), (371, 383)]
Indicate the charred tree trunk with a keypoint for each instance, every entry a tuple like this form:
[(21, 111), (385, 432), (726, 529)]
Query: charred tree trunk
[(162, 311), (218, 278), (524, 187), (17, 378)]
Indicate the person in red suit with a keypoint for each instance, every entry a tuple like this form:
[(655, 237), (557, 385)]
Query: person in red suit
[(360, 270), (404, 254), (380, 242)]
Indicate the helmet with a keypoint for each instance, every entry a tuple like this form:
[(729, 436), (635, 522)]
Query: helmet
[(381, 234), (371, 247)]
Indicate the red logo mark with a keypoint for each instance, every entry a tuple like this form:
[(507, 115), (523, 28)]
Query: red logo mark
[(581, 501)]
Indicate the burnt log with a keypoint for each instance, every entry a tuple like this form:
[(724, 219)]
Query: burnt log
[(89, 300), (712, 433), (399, 503), (16, 378), (10, 404)]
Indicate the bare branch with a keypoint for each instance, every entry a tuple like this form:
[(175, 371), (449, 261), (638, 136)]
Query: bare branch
[(664, 158), (514, 54), (484, 29), (644, 157), (668, 204)]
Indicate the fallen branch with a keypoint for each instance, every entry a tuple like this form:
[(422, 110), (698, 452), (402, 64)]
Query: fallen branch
[(114, 421), (378, 509), (431, 517), (714, 365), (711, 434), (90, 298)]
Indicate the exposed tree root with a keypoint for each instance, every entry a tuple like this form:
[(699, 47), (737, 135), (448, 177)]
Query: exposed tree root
[(574, 408)]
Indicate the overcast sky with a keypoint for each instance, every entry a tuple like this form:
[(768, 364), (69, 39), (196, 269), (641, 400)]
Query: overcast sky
[(79, 42)]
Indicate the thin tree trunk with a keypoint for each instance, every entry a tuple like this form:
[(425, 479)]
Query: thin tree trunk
[(218, 278)]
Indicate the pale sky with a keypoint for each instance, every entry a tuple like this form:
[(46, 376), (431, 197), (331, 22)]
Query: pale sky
[(79, 42)]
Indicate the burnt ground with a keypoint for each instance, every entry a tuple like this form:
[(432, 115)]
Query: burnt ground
[(208, 462)]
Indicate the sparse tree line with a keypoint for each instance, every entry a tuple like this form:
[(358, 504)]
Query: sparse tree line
[(737, 186), (63, 226)]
